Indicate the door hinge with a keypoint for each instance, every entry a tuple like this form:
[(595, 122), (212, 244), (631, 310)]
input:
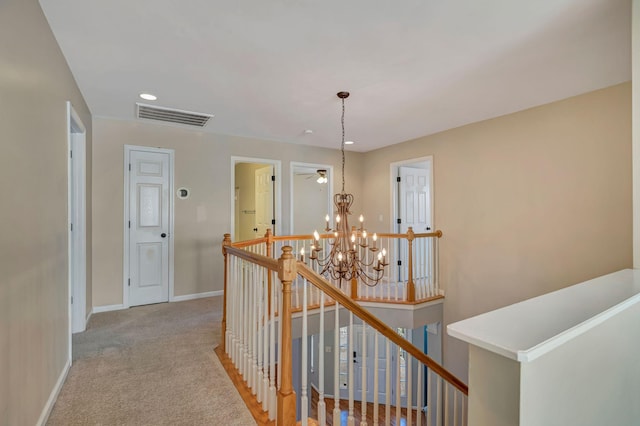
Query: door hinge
[(399, 221), (72, 227), (129, 166), (273, 178), (399, 262), (398, 179), (72, 300), (129, 224), (70, 154), (273, 221), (129, 282)]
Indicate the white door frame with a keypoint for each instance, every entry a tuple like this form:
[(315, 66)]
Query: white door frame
[(393, 172), (326, 167), (277, 187), (125, 227), (77, 243)]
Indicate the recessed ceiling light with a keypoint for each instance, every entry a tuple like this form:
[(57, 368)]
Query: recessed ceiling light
[(348, 142), (148, 96), (308, 132)]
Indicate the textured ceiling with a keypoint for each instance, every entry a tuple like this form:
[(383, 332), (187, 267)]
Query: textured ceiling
[(271, 69)]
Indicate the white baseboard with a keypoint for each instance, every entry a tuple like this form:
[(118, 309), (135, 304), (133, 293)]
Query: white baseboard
[(197, 296), (44, 416), (86, 321), (107, 308)]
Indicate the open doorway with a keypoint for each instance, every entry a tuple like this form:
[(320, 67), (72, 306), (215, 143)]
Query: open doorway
[(311, 194), (256, 197)]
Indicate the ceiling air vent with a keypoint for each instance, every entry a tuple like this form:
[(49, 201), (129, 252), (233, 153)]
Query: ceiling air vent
[(170, 115)]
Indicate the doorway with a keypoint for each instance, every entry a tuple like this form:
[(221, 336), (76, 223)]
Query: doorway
[(255, 206), (311, 195), (76, 138), (148, 262)]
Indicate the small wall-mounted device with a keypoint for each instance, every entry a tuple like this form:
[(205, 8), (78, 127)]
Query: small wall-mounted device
[(183, 193)]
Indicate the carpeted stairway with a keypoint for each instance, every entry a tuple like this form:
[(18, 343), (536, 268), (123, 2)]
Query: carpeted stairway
[(150, 365)]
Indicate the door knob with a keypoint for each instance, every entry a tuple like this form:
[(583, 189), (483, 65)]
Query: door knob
[(163, 235), (255, 229)]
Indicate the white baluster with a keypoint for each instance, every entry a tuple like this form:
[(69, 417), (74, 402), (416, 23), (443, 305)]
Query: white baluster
[(455, 407), (387, 408), (336, 367), (464, 411), (419, 402), (253, 336), (363, 370), (272, 350), (398, 388), (259, 327), (351, 421), (409, 390), (265, 342), (430, 398), (375, 380), (446, 403), (322, 408), (438, 406), (304, 400)]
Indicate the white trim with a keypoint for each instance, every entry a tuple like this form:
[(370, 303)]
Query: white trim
[(53, 396), (197, 296), (277, 164), (125, 263), (108, 308), (393, 173), (292, 166), (76, 215)]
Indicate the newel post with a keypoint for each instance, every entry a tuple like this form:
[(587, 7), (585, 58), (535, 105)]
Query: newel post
[(411, 288), (286, 395), (225, 243)]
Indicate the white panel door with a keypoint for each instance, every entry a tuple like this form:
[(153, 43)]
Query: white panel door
[(264, 200), (414, 211), (414, 208), (149, 227)]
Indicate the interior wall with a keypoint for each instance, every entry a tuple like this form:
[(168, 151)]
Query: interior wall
[(528, 202), (35, 84), (203, 164)]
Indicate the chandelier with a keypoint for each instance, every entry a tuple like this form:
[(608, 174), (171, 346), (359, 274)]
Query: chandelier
[(352, 255)]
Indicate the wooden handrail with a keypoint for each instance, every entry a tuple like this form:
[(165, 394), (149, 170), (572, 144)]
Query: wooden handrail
[(436, 234), (267, 262), (247, 243), (333, 292)]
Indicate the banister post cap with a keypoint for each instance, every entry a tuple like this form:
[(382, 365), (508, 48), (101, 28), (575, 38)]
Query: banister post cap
[(287, 265)]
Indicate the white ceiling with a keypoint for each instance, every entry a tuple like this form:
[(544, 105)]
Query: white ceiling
[(271, 69)]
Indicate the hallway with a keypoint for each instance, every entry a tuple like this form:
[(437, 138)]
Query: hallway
[(150, 365)]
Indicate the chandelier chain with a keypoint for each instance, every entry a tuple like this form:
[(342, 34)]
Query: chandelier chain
[(342, 146)]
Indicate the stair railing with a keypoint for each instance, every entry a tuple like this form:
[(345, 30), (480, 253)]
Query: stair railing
[(261, 333)]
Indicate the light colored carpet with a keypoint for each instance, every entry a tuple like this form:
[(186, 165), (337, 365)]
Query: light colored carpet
[(150, 365)]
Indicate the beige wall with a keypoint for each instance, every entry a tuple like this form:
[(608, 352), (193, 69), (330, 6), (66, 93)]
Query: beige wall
[(528, 203), (203, 164), (35, 84)]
